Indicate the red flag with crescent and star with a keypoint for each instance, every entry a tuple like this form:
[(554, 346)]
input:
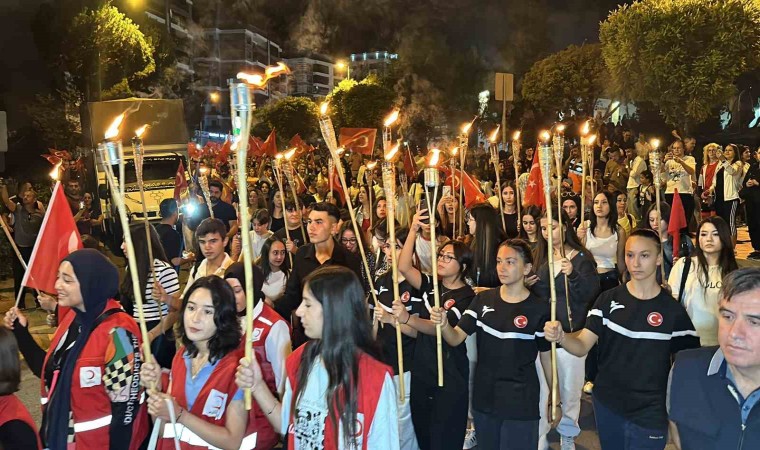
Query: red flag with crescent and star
[(534, 191), (361, 140), (677, 222), (472, 193), (300, 145)]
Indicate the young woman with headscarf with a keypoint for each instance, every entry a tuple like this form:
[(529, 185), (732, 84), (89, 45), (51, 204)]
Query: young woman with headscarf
[(90, 374)]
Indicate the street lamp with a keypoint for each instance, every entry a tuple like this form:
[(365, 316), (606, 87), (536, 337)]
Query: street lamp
[(341, 65), (213, 97)]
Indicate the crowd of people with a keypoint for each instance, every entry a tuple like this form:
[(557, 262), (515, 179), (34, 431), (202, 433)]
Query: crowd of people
[(631, 297)]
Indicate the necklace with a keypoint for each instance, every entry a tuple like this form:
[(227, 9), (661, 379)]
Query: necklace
[(197, 364)]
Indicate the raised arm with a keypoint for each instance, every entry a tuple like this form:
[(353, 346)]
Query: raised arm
[(406, 259)]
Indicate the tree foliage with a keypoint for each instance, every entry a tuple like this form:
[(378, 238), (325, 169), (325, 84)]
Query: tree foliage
[(570, 80), (289, 116), (682, 55), (105, 51), (361, 104)]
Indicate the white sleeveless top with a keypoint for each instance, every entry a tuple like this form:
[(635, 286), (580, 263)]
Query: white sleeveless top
[(604, 250)]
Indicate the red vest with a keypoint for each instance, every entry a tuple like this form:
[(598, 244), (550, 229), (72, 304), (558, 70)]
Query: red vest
[(372, 375), (11, 408), (90, 403), (211, 404), (259, 434)]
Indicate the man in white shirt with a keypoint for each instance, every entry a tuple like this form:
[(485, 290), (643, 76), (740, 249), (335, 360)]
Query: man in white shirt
[(211, 235), (636, 166), (680, 172)]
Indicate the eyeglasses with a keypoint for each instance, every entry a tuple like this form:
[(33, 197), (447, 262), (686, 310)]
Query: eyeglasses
[(348, 240), (445, 257)]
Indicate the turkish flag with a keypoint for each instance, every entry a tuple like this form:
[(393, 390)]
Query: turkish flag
[(254, 147), (472, 193), (360, 140), (677, 222), (301, 146), (180, 182), (57, 238), (269, 147), (534, 192)]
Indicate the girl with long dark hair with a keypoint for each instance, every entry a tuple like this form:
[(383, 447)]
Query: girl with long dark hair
[(509, 323), (509, 209), (484, 225), (276, 213), (275, 267), (439, 414), (695, 281), (338, 395), (637, 321), (158, 319), (351, 242), (728, 179), (530, 222), (572, 307), (447, 215), (686, 247), (204, 399), (605, 239), (271, 344)]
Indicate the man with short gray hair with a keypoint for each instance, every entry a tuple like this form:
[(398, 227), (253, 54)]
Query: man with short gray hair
[(714, 391)]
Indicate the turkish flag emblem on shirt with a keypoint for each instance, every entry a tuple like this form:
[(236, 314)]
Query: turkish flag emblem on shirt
[(654, 319), (361, 140), (521, 321), (57, 238)]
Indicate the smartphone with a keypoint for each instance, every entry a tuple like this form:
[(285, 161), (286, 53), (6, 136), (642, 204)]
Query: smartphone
[(446, 191), (422, 206)]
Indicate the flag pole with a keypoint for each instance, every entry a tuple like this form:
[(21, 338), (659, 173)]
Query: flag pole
[(655, 164), (546, 167), (432, 179), (18, 255)]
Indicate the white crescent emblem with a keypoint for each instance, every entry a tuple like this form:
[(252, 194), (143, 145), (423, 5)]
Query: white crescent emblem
[(73, 242)]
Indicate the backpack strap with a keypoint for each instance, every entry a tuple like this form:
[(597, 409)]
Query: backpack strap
[(684, 275)]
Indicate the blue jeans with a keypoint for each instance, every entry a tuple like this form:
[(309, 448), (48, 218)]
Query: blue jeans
[(497, 434), (618, 433)]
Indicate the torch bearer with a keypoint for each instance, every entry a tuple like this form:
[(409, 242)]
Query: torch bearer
[(452, 167), (107, 153), (328, 134), (369, 174), (287, 168), (139, 153), (545, 156), (241, 106), (493, 139), (432, 179), (203, 180), (587, 143), (464, 138), (516, 145), (389, 185), (656, 165)]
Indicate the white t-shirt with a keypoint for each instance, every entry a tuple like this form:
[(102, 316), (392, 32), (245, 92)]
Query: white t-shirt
[(638, 166), (312, 408), (258, 241), (201, 272), (677, 177), (274, 285), (701, 302)]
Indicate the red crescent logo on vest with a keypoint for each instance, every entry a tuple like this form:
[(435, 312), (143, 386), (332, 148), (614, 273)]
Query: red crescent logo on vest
[(654, 319), (405, 297), (359, 428), (521, 321), (449, 304)]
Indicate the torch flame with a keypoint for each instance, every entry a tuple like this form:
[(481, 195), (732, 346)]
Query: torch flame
[(545, 136), (516, 136), (391, 153), (654, 143), (290, 153), (495, 135), (466, 128), (340, 151), (454, 151), (140, 131), (259, 80), (591, 140), (323, 108), (436, 155), (113, 130), (279, 156), (560, 128), (391, 118), (586, 128), (56, 173), (371, 165), (203, 170)]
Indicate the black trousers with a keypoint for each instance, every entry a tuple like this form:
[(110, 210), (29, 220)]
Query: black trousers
[(688, 206), (439, 415), (18, 275), (753, 222)]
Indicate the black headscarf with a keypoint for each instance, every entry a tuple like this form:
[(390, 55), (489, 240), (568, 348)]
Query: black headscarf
[(98, 282), (237, 271)]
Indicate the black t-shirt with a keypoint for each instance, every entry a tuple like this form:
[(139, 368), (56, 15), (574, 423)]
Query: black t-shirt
[(510, 335), (636, 341), (456, 368), (276, 224), (222, 211), (510, 220), (295, 235), (386, 335), (170, 240)]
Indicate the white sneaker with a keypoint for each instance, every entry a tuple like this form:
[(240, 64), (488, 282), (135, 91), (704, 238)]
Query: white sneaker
[(566, 443), (470, 440), (588, 387)]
